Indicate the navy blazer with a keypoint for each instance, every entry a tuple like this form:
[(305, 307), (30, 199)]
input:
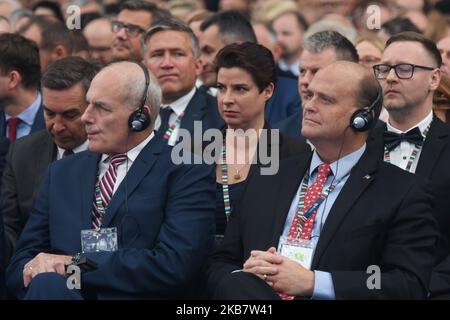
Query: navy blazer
[(164, 214), (202, 107), (284, 102), (38, 124)]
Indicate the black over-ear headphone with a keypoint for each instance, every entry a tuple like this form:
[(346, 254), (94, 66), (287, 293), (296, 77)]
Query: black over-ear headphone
[(362, 119), (140, 119)]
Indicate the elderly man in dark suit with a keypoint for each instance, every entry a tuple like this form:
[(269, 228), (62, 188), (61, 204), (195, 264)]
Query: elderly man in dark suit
[(336, 216), (414, 139), (64, 86), (142, 225)]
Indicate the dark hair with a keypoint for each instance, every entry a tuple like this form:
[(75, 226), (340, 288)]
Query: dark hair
[(322, 40), (369, 89), (171, 25), (233, 27), (397, 25), (20, 54), (54, 7), (256, 59), (67, 72), (157, 13), (79, 41), (427, 43), (53, 33)]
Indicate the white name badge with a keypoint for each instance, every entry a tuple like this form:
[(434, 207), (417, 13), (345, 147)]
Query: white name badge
[(104, 239), (299, 250)]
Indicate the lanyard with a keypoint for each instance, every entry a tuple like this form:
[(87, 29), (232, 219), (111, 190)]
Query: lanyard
[(98, 200), (177, 123), (413, 155), (225, 187), (300, 213)]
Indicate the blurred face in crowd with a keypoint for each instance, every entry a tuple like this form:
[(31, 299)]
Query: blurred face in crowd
[(330, 103), (170, 57), (108, 110), (241, 104), (404, 95), (210, 45), (289, 36), (99, 36), (45, 56), (62, 112), (368, 54), (310, 63), (128, 30), (444, 48), (4, 26)]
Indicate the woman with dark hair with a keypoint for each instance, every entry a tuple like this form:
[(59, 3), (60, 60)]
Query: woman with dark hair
[(246, 75)]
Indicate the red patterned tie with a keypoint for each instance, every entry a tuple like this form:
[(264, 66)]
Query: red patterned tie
[(311, 196), (105, 186), (12, 128)]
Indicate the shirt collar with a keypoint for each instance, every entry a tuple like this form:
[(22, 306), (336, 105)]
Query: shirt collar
[(345, 164), (29, 114), (133, 153), (81, 147), (178, 106), (423, 125), (294, 68)]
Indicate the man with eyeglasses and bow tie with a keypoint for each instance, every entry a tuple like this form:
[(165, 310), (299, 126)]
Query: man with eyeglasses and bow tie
[(414, 139), (134, 18)]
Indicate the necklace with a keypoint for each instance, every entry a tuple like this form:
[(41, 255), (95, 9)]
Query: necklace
[(237, 175)]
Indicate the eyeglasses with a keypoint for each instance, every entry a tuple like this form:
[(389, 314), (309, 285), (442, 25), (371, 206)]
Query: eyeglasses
[(130, 29), (402, 70)]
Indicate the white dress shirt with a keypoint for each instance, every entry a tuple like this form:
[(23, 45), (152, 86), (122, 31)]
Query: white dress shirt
[(401, 154), (81, 147), (123, 168)]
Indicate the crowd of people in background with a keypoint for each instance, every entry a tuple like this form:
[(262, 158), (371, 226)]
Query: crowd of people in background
[(351, 97)]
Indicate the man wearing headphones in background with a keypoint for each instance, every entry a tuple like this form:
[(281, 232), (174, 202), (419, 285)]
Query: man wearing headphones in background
[(135, 224), (327, 232), (414, 139)]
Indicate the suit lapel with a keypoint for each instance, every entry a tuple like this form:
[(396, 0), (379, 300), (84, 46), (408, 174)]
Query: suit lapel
[(288, 183), (432, 147), (194, 112), (360, 178), (39, 122), (87, 186), (2, 124), (46, 154), (138, 171)]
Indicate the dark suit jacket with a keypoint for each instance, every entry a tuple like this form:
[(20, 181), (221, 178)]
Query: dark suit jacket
[(286, 74), (284, 102), (381, 219), (38, 124), (434, 165), (4, 147), (291, 126), (165, 232), (26, 165), (202, 107)]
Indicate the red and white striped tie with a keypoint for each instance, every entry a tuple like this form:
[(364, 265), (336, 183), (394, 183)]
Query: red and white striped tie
[(104, 189)]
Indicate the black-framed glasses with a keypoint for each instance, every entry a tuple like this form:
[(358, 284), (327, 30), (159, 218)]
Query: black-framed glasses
[(402, 70), (130, 29)]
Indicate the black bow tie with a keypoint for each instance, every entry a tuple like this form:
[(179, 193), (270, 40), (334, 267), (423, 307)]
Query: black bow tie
[(392, 139)]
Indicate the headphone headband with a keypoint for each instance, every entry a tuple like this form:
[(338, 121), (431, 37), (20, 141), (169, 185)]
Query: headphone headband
[(140, 119)]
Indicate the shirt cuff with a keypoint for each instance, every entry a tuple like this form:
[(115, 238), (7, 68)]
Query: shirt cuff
[(323, 286)]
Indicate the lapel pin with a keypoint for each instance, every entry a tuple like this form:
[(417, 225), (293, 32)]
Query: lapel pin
[(367, 177)]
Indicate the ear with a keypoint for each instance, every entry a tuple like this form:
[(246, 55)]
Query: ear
[(435, 79), (198, 66), (59, 52), (268, 91), (15, 79)]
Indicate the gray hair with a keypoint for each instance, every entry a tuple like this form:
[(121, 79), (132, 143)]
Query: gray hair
[(171, 25), (326, 25), (134, 87), (322, 40)]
